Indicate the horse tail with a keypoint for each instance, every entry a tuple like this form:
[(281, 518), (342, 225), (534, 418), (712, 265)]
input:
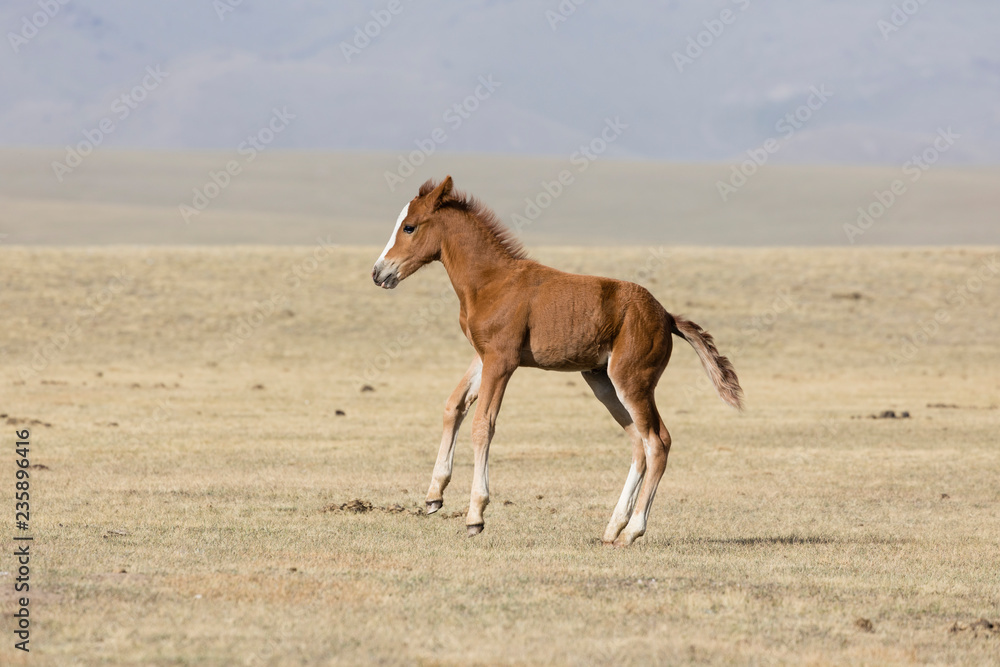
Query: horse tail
[(718, 367)]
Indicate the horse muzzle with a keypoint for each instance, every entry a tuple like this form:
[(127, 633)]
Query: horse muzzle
[(385, 275)]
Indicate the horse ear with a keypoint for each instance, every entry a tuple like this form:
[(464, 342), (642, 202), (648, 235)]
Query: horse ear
[(438, 194)]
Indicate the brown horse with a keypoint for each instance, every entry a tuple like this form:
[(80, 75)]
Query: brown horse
[(517, 312)]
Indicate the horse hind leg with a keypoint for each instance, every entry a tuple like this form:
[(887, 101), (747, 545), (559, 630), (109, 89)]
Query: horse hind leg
[(605, 392), (630, 492), (634, 370), (656, 446)]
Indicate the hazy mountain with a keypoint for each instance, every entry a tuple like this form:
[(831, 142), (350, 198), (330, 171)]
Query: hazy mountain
[(227, 64)]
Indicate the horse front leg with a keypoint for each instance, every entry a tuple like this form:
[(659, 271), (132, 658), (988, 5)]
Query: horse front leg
[(455, 409), (494, 381)]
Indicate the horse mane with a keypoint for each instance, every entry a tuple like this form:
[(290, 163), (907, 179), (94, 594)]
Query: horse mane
[(480, 212)]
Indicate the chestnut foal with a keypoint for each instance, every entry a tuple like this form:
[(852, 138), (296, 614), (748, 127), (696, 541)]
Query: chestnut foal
[(517, 312)]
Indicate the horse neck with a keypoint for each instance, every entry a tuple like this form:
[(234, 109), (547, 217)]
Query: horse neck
[(470, 254)]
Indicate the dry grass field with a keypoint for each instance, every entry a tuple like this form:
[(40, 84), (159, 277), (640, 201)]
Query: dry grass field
[(192, 461)]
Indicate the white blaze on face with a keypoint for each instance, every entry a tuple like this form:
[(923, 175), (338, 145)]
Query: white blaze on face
[(395, 230)]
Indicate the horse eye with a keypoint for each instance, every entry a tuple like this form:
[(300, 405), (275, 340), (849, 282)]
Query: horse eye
[(409, 229)]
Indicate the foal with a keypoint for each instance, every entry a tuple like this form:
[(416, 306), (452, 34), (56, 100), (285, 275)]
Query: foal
[(517, 312)]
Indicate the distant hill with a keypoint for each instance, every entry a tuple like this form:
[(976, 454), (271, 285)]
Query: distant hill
[(690, 81), (282, 197)]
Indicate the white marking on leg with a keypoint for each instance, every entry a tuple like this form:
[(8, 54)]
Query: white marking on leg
[(637, 523), (446, 453), (395, 230), (626, 502), (629, 493)]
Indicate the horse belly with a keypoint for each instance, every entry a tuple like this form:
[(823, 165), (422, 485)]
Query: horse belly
[(565, 346), (562, 362)]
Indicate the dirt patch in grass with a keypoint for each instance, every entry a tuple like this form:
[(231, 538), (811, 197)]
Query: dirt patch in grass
[(981, 628), (359, 506)]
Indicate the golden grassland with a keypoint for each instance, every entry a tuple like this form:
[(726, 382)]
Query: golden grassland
[(184, 404)]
